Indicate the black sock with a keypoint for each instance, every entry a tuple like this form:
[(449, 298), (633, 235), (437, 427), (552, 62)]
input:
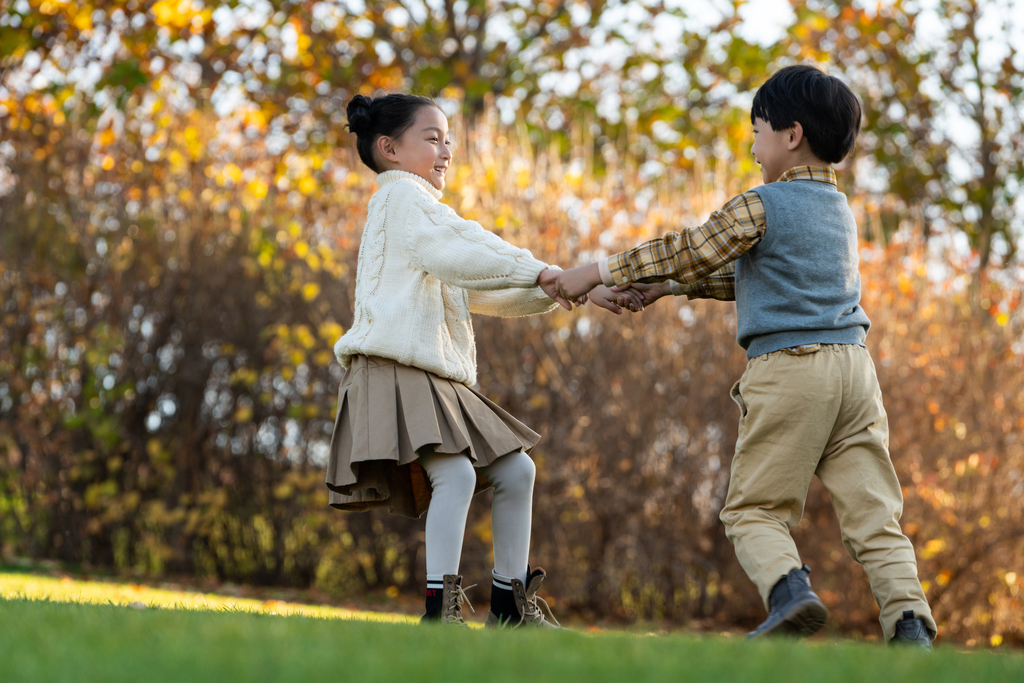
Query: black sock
[(435, 598), (503, 602)]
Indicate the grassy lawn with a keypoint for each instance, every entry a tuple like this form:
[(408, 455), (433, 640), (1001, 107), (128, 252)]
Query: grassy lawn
[(69, 637)]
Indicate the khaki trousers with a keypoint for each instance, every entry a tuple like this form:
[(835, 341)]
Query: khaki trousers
[(819, 413)]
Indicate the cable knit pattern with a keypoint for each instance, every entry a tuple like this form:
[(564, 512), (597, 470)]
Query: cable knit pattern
[(422, 270)]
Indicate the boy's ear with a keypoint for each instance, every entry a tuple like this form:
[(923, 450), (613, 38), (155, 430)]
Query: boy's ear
[(386, 147), (796, 135)]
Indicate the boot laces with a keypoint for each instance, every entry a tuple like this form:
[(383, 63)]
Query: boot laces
[(458, 596), (533, 612)]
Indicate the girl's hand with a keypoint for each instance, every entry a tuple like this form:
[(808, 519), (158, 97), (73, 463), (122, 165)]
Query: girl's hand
[(648, 293), (612, 300), (548, 281)]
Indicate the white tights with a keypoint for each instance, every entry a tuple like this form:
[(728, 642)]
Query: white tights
[(453, 479)]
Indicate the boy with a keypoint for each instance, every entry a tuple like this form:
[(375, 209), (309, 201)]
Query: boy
[(809, 401)]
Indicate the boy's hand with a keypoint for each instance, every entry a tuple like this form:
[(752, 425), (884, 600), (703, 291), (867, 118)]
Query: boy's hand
[(575, 282), (648, 293), (548, 281), (611, 300)]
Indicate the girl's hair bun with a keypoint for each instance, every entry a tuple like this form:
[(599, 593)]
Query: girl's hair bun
[(359, 121)]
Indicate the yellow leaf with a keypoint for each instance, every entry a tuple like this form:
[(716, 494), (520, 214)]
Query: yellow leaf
[(933, 548), (83, 20), (330, 331), (310, 291), (258, 188), (173, 13)]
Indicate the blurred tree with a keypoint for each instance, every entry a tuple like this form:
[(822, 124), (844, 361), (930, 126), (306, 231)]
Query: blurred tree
[(943, 125), (179, 217)]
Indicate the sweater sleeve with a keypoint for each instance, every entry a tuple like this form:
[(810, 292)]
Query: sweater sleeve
[(511, 303), (462, 253)]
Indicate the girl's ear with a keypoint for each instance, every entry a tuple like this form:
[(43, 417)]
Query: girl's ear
[(386, 147), (796, 136)]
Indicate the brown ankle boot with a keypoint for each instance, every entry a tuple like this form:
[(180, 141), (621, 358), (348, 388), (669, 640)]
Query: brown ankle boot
[(452, 599), (533, 610)]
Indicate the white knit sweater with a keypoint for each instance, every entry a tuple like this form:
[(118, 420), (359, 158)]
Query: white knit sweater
[(422, 270)]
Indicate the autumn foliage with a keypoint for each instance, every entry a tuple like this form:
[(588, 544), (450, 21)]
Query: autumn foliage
[(167, 387), (180, 213)]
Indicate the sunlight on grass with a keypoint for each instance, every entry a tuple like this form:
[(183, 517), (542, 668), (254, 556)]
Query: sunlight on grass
[(65, 589)]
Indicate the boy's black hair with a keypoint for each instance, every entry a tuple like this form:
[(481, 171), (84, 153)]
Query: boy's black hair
[(390, 115), (825, 107)]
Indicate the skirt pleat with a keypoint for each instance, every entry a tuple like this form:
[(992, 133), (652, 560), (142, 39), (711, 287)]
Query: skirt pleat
[(389, 415)]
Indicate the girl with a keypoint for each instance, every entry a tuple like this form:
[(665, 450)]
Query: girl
[(410, 434)]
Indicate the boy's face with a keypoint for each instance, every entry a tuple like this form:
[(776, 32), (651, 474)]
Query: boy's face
[(424, 148), (772, 149)]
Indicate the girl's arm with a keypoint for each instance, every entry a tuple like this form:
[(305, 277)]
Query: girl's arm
[(462, 253), (511, 303)]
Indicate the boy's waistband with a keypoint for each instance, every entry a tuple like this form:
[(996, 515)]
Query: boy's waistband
[(777, 341)]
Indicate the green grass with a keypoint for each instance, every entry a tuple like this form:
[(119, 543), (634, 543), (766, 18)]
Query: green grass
[(43, 640)]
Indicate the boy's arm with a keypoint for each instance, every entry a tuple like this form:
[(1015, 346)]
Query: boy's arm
[(720, 285), (691, 256)]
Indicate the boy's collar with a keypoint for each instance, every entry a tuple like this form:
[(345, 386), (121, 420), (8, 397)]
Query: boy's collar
[(391, 176), (821, 174)]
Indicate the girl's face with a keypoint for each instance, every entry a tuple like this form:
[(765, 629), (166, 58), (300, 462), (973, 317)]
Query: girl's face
[(424, 148)]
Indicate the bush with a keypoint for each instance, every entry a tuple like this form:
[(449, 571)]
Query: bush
[(167, 387)]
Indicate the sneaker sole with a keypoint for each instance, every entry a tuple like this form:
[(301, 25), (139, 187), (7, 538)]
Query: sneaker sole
[(802, 619), (805, 619)]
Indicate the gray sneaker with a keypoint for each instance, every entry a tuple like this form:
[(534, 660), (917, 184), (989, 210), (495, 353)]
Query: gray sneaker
[(533, 610), (794, 608), (911, 630)]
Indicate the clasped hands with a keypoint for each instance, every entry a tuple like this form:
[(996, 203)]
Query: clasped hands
[(577, 285)]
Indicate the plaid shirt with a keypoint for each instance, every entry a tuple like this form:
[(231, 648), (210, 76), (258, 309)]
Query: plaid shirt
[(699, 262)]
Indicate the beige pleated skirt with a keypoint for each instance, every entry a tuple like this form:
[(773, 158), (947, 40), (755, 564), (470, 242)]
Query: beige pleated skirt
[(389, 415)]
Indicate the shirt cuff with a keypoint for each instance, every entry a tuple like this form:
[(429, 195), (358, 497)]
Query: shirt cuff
[(679, 289), (606, 273)]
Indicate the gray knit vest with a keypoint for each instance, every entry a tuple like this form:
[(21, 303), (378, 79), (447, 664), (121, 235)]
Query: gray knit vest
[(801, 283)]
